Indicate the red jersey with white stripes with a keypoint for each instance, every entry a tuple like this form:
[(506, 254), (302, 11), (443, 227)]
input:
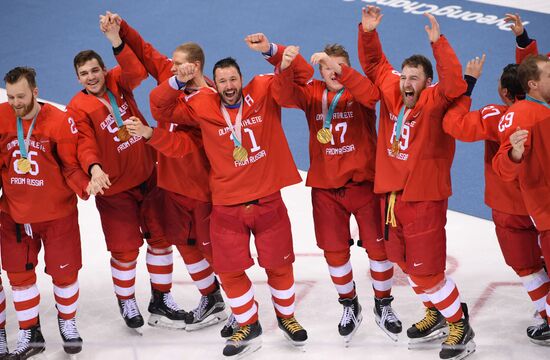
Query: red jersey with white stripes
[(269, 165), (469, 126), (350, 155), (47, 191), (128, 163), (422, 166)]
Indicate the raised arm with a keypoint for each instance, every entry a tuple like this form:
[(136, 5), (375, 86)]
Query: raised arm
[(288, 91), (157, 65), (524, 45), (131, 72)]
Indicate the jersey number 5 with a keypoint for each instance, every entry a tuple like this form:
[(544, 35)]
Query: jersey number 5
[(34, 165)]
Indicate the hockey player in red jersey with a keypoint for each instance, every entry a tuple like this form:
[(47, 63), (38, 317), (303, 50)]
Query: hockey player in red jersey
[(521, 157), (516, 233), (183, 194), (342, 146), (413, 162), (250, 162), (124, 164), (40, 176)]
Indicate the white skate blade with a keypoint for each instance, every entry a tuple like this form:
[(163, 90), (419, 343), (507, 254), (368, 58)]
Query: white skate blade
[(469, 349), (210, 320), (156, 320), (136, 331), (391, 335), (349, 337), (72, 356), (295, 344), (541, 342), (430, 341), (253, 346)]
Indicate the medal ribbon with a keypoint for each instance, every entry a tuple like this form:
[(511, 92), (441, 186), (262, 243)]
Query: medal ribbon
[(400, 119), (527, 97), (327, 114), (112, 106), (235, 129), (24, 143)]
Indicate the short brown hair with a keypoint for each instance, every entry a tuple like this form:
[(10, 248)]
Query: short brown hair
[(419, 60), (193, 51), (84, 56), (529, 70), (15, 74), (337, 50)]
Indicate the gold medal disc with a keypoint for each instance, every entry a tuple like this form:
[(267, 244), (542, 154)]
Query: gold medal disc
[(123, 133), (24, 165), (240, 153), (324, 135), (395, 147)]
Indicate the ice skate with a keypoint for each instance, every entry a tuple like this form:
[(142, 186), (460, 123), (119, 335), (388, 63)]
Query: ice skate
[(460, 342), (293, 331), (244, 341), (539, 334), (30, 343), (431, 328), (72, 342), (164, 312), (131, 315), (230, 327), (209, 312), (351, 319), (386, 318)]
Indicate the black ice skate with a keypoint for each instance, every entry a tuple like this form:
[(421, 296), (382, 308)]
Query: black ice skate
[(292, 330), (351, 318), (3, 344), (165, 312), (230, 327), (539, 334), (130, 313), (432, 327), (72, 342), (386, 318), (30, 342), (209, 312), (245, 340), (460, 342)]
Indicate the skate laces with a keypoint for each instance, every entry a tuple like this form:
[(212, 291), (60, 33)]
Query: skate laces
[(292, 325), (388, 315), (3, 342), (170, 302), (456, 333), (534, 329), (129, 308), (241, 334), (198, 312), (23, 341), (348, 316), (231, 322), (429, 320), (68, 328)]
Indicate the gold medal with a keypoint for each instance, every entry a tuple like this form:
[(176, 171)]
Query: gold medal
[(395, 148), (123, 133), (240, 153), (23, 165), (324, 135)]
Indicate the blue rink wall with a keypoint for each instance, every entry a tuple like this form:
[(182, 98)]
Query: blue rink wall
[(47, 34)]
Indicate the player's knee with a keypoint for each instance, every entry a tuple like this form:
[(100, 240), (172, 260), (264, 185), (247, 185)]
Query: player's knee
[(125, 256), (337, 258), (429, 283), (22, 279), (279, 271), (65, 279)]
